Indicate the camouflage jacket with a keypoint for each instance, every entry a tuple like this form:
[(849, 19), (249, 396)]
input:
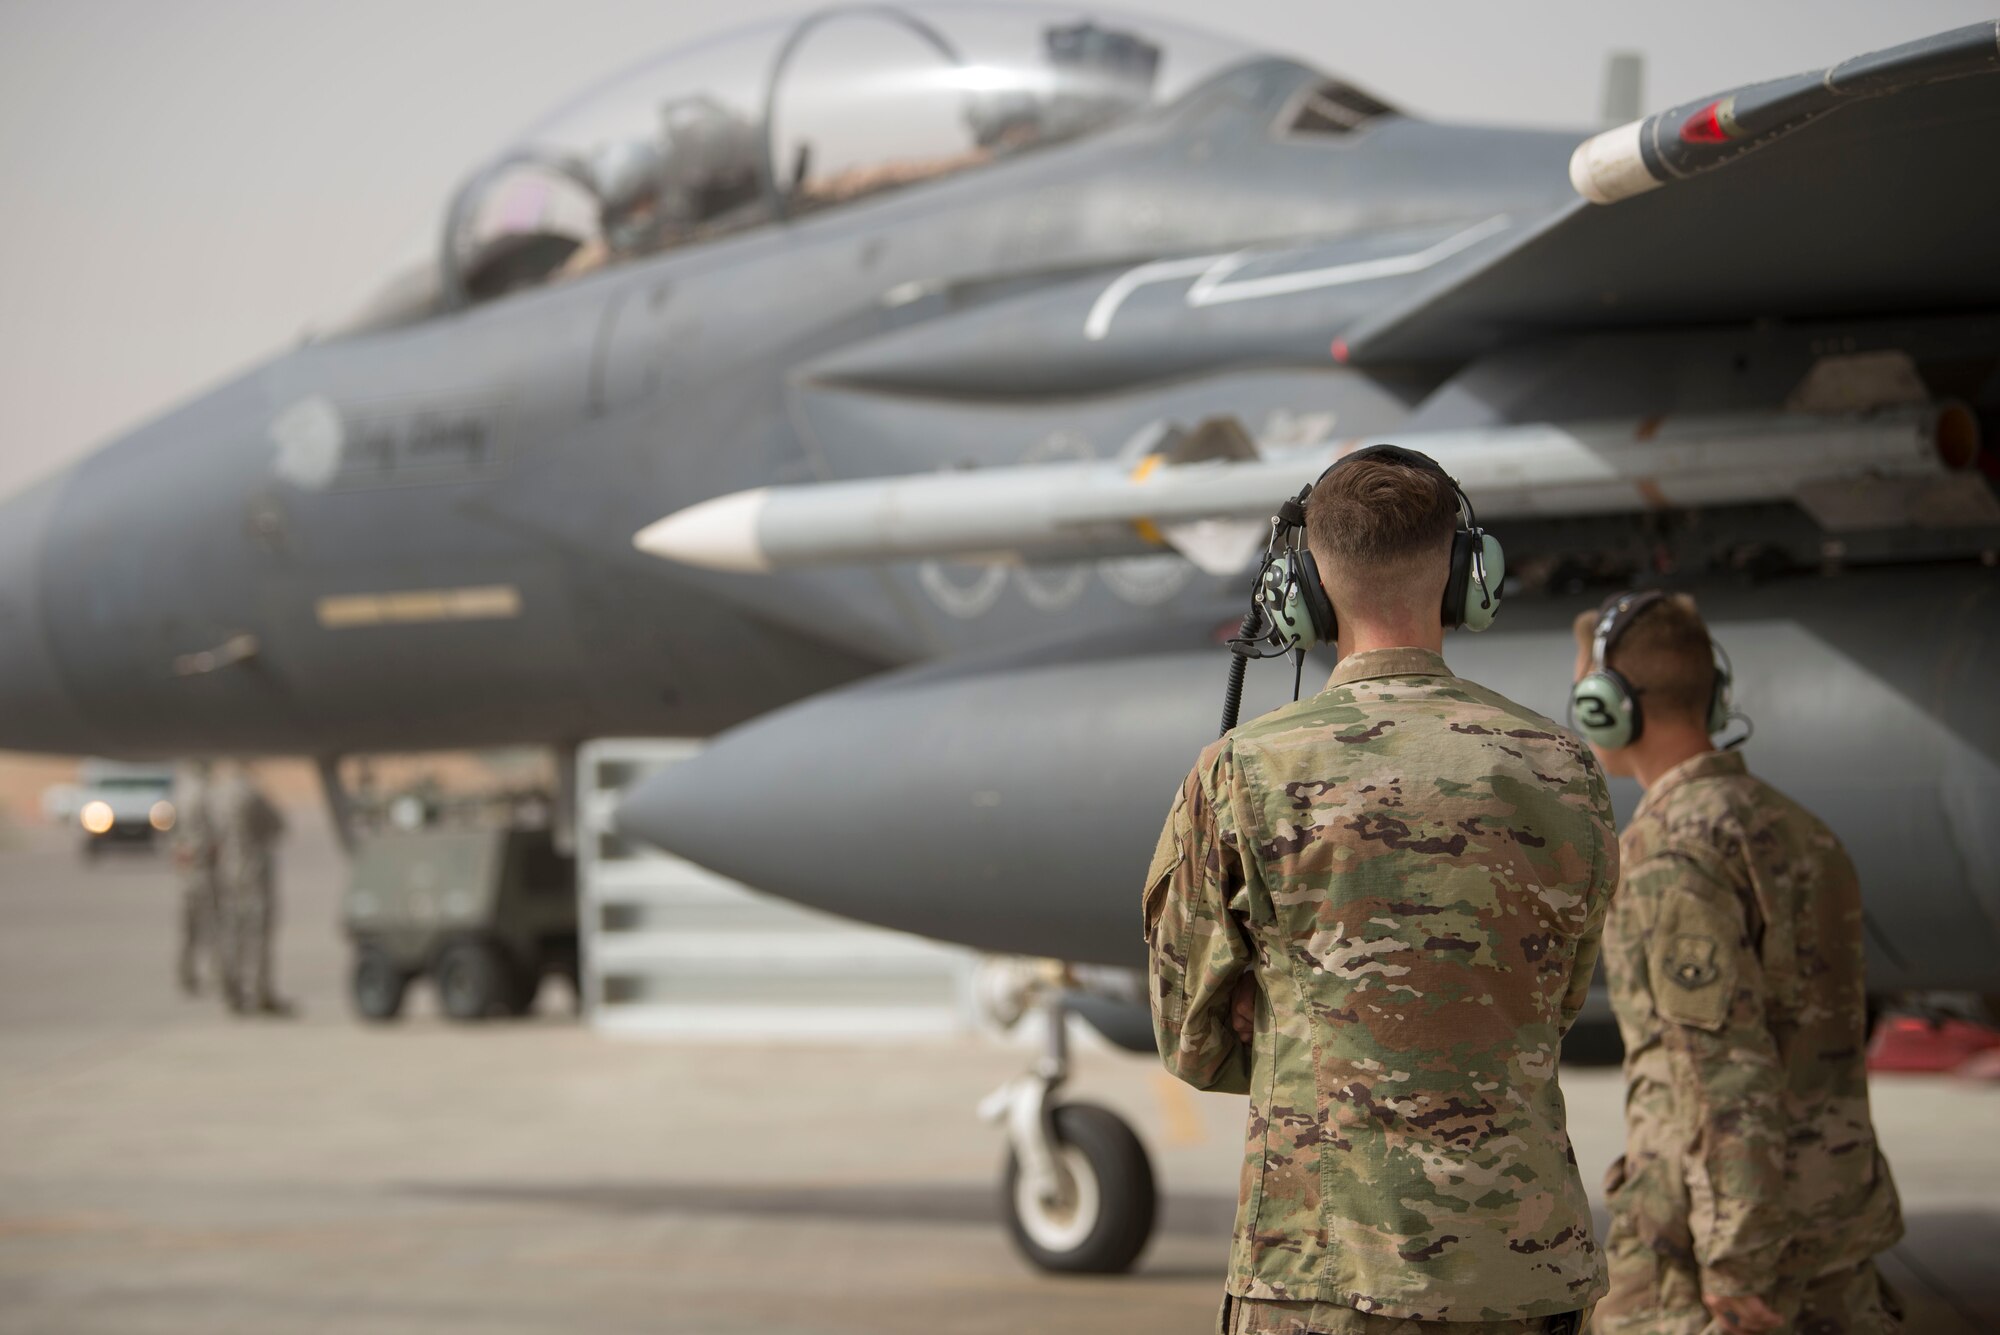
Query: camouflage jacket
[(194, 838), (1734, 954), (247, 830), (1415, 871)]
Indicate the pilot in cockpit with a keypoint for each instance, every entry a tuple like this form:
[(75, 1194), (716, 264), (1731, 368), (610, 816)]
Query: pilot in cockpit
[(1098, 76), (629, 176), (698, 172), (777, 123), (692, 166)]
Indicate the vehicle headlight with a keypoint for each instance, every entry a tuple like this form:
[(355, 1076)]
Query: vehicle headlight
[(162, 815), (97, 817)]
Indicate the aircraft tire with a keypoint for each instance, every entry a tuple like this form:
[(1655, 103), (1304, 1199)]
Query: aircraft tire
[(474, 981), (1105, 1227), (376, 986)]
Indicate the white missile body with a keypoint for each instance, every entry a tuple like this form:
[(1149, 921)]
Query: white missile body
[(1068, 511)]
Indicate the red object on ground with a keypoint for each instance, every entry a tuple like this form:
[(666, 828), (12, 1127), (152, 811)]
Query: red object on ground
[(1980, 1066), (1912, 1043)]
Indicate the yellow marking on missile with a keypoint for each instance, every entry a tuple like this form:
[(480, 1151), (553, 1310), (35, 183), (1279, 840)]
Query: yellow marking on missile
[(1178, 1110), (409, 607), (1146, 528)]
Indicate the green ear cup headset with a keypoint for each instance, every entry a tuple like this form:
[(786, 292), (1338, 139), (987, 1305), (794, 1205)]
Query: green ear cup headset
[(1605, 708), (1290, 611), (1298, 612)]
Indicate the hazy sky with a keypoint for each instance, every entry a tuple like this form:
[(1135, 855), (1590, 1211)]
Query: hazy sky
[(188, 184)]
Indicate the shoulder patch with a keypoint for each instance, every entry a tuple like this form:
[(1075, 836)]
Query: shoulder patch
[(1695, 947), (1690, 961)]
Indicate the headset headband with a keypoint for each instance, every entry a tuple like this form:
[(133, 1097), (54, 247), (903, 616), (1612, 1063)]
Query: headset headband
[(1396, 454), (1617, 614), (1293, 512)]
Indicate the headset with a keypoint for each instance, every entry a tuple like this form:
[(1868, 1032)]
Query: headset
[(1290, 610), (1605, 708)]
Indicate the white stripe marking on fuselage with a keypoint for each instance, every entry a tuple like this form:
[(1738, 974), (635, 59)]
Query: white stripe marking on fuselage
[(1211, 286)]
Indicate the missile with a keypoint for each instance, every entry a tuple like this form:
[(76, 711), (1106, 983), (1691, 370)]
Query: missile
[(1712, 132), (1092, 510)]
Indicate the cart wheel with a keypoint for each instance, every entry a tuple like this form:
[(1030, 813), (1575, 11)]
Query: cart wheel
[(376, 985), (473, 981)]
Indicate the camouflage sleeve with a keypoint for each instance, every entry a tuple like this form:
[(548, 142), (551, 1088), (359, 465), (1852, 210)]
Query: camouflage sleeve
[(1603, 880), (1709, 991), (1195, 950)]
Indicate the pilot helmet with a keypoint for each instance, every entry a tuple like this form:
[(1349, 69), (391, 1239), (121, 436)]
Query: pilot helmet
[(626, 174)]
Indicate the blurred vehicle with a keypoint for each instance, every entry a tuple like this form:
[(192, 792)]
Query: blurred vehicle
[(484, 909), (115, 802)]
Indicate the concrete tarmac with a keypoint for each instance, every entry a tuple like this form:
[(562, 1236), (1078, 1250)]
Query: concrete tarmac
[(165, 1168)]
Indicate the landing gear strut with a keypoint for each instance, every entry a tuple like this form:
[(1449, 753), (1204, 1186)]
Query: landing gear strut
[(1077, 1189)]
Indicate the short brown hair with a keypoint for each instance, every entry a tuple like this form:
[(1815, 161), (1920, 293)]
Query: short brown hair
[(1376, 512), (1664, 653)]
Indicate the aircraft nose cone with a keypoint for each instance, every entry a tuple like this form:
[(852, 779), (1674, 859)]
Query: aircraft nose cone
[(801, 806), (1011, 810), (818, 805), (700, 809), (36, 710)]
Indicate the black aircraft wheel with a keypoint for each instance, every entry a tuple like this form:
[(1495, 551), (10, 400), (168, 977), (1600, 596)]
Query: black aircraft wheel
[(377, 985), (1105, 1213), (473, 981)]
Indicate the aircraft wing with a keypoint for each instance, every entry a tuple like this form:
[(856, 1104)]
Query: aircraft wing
[(1868, 188)]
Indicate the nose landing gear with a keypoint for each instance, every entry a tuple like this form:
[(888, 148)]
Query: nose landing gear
[(1077, 1189)]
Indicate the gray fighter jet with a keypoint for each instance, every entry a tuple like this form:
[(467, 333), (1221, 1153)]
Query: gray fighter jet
[(954, 361)]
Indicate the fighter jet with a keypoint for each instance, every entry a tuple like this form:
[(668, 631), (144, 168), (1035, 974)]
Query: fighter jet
[(900, 396)]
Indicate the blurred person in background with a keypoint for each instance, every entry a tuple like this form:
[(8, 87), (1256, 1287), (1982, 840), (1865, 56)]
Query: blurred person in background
[(248, 828), (195, 857)]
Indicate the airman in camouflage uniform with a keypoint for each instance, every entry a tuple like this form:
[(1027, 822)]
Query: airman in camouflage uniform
[(248, 828), (1415, 869), (194, 850), (1751, 1175)]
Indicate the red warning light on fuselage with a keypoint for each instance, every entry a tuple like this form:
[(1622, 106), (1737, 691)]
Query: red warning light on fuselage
[(1705, 126)]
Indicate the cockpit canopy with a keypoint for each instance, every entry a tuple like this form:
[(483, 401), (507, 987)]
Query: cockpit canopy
[(783, 120)]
